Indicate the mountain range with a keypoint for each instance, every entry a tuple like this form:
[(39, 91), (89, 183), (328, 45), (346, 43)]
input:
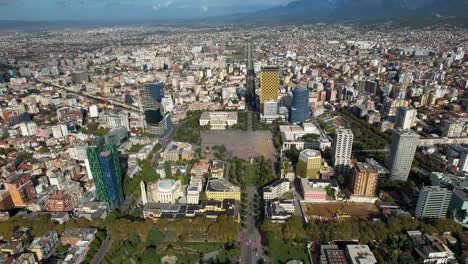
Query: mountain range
[(404, 11)]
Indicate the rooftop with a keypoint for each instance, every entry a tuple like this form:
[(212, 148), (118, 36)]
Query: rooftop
[(220, 185)]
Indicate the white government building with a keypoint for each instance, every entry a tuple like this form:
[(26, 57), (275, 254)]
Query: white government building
[(218, 120)]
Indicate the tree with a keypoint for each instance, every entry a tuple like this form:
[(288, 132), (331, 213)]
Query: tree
[(155, 237), (168, 168)]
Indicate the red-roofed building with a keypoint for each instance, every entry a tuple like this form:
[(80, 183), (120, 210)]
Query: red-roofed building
[(200, 168)]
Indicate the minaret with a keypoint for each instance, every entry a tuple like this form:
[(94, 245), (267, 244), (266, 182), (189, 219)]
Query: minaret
[(144, 198)]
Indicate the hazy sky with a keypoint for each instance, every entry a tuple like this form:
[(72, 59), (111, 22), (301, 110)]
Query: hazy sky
[(126, 9)]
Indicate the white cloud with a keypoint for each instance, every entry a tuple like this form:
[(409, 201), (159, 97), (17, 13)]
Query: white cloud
[(160, 5)]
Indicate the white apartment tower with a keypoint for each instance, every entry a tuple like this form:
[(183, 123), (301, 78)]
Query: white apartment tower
[(342, 148), (406, 117), (402, 151)]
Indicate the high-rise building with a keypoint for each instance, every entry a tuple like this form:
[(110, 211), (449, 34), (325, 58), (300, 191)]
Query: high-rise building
[(269, 112), (106, 171), (309, 164), (269, 85), (342, 148), (406, 117), (300, 109), (402, 151), (433, 202), (156, 122), (365, 179)]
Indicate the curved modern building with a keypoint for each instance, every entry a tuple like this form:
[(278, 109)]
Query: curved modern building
[(157, 122), (300, 108)]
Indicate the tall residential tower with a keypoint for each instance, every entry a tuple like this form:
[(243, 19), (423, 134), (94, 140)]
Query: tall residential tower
[(404, 144), (342, 148)]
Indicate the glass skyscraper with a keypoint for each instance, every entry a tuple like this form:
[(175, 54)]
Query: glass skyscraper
[(156, 122), (106, 171), (300, 108)]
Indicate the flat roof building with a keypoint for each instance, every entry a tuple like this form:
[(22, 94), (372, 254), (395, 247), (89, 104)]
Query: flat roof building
[(218, 120), (220, 189)]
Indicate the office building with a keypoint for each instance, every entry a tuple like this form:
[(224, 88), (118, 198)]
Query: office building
[(165, 191), (177, 151), (365, 179), (269, 85), (292, 136), (156, 122), (316, 189), (218, 120), (309, 164), (433, 202), (220, 189), (406, 117), (342, 149), (106, 171), (300, 108), (459, 205), (276, 189), (116, 136), (117, 118), (270, 111), (194, 189), (402, 151)]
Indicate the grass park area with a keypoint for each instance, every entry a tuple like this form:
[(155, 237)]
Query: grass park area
[(329, 210), (282, 252)]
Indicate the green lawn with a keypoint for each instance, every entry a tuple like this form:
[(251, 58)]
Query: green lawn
[(250, 174), (204, 247), (281, 252)]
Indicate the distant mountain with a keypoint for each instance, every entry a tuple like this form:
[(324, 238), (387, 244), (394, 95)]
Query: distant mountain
[(407, 11)]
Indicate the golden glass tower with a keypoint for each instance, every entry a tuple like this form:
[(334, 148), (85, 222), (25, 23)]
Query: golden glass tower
[(309, 164), (269, 85)]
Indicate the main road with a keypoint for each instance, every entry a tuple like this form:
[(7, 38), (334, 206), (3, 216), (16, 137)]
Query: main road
[(102, 250), (94, 97), (249, 238)]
